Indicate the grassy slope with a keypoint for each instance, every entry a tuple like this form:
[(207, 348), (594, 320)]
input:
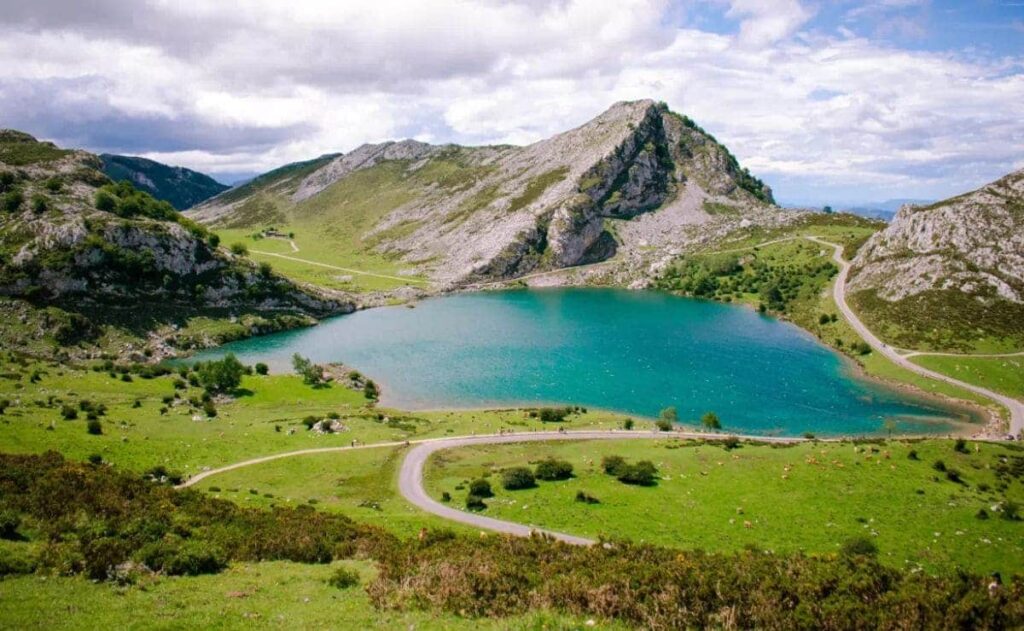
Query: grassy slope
[(334, 227), (810, 497), (247, 595), (139, 438), (1002, 374)]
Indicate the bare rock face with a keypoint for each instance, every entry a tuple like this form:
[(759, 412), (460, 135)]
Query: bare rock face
[(362, 157), (973, 243)]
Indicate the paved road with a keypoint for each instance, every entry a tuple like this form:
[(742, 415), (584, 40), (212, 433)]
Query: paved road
[(1015, 407)]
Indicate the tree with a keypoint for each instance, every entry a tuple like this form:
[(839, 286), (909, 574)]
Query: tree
[(890, 426), (517, 478), (827, 210), (481, 488), (628, 424), (710, 420), (105, 201), (312, 375), (261, 368), (221, 376), (669, 414), (94, 427), (552, 469), (370, 390)]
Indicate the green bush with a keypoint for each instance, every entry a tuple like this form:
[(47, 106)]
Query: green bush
[(516, 478), (312, 374), (261, 368), (40, 204), (475, 502), (343, 578), (612, 465), (10, 521), (663, 425), (859, 546), (94, 427), (480, 488), (239, 249), (586, 498), (68, 413), (552, 469), (554, 415), (642, 473), (11, 201)]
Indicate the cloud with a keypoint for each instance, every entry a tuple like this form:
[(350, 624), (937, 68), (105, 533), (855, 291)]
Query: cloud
[(233, 86)]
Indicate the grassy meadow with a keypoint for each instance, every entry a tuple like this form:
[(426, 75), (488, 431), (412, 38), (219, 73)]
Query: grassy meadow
[(810, 497)]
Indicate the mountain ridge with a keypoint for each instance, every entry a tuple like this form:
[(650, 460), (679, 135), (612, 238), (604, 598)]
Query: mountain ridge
[(181, 187), (635, 177)]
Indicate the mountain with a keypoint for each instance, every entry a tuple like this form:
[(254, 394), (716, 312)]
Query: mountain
[(80, 254), (637, 181), (949, 274), (182, 187)]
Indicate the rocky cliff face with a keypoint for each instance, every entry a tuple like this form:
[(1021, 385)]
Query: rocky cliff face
[(181, 187), (636, 178), (973, 243), (71, 238), (949, 274)]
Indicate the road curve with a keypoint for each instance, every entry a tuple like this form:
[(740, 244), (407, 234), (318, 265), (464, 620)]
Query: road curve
[(1015, 407), (410, 476)]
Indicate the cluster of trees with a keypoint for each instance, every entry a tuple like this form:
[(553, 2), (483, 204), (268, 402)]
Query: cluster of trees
[(724, 277), (518, 478)]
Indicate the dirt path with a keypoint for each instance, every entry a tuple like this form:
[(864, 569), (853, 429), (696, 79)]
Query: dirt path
[(341, 269), (1015, 407)]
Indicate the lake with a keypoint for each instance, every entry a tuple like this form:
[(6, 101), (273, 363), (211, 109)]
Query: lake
[(634, 352)]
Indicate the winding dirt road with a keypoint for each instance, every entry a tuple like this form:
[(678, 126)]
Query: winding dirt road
[(1015, 407)]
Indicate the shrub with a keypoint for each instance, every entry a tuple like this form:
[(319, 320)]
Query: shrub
[(475, 502), (961, 446), (370, 390), (310, 421), (343, 578), (517, 478), (663, 425), (261, 368), (239, 249), (266, 270), (4, 404), (39, 204), (628, 424), (105, 201), (981, 514), (1010, 510), (11, 201), (954, 476), (10, 521), (68, 412), (669, 414), (939, 465), (642, 473), (446, 496), (859, 546), (552, 469), (209, 408), (95, 459), (730, 443), (612, 465), (94, 427), (586, 498), (554, 415), (185, 558), (912, 455), (480, 488)]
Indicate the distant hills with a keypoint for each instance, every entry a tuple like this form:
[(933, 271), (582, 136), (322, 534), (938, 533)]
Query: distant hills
[(181, 187)]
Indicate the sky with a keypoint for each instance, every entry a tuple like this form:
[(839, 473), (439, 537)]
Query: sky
[(830, 102)]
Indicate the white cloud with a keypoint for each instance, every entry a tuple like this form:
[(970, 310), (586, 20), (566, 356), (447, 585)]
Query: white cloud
[(232, 86)]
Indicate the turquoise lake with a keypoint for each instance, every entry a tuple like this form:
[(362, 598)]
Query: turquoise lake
[(634, 352)]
